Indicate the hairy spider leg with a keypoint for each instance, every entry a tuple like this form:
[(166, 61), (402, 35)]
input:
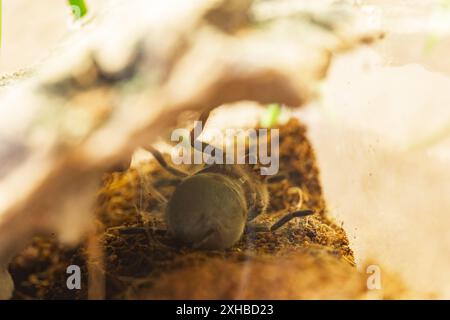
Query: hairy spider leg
[(159, 157), (193, 136), (276, 178), (289, 217), (258, 227)]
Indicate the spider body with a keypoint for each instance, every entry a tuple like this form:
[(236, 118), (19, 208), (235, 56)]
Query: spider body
[(212, 208)]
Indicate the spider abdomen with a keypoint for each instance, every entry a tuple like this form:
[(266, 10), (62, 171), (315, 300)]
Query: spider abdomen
[(208, 211)]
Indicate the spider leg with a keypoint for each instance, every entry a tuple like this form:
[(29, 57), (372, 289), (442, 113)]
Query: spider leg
[(276, 178), (135, 229), (289, 217), (258, 227), (158, 156), (193, 138), (251, 227), (167, 182), (194, 134)]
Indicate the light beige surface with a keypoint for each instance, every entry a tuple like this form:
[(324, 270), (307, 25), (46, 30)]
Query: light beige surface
[(382, 137), (31, 29)]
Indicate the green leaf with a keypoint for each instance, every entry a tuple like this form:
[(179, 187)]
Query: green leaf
[(271, 116), (79, 8)]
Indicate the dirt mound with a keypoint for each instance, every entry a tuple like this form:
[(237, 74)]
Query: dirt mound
[(141, 261)]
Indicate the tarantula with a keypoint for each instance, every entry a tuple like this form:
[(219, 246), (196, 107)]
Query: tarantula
[(212, 208)]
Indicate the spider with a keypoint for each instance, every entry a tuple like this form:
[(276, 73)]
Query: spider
[(215, 206)]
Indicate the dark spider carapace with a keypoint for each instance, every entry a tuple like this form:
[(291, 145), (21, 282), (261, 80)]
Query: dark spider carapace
[(212, 208)]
